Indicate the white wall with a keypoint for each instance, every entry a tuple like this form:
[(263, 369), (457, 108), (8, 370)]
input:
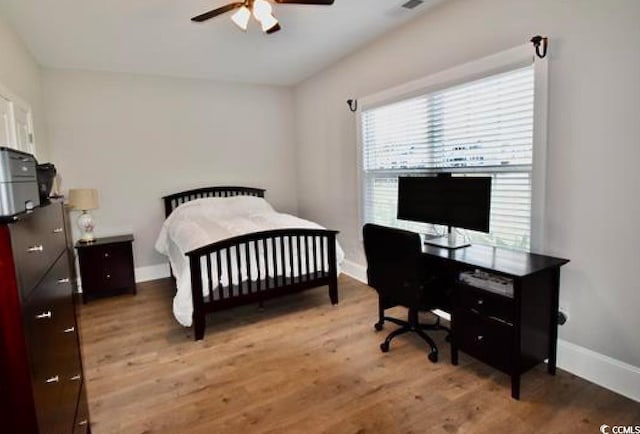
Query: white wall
[(21, 75), (137, 138), (593, 206)]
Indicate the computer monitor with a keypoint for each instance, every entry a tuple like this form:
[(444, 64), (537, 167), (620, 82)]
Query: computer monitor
[(461, 202)]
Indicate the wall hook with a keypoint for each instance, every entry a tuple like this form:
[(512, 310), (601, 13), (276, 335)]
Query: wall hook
[(353, 105), (539, 41)]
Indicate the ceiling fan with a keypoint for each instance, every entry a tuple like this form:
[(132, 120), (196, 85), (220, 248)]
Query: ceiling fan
[(261, 10)]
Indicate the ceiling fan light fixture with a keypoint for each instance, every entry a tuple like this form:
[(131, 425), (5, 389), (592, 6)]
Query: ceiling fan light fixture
[(262, 10), (241, 18), (268, 23)]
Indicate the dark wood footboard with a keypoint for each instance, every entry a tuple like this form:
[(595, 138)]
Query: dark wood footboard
[(277, 262)]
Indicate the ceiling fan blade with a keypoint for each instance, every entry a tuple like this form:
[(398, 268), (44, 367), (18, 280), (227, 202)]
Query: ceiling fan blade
[(215, 12), (306, 2), (274, 29)]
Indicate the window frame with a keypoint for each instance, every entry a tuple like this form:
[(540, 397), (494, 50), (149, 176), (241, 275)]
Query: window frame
[(503, 61), (14, 103)]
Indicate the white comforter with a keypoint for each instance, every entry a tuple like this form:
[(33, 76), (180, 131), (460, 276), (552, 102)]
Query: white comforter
[(205, 221)]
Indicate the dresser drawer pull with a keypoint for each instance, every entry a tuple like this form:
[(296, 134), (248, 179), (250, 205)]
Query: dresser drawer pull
[(76, 378), (58, 230), (44, 315), (500, 320), (52, 380), (70, 330), (34, 249), (63, 281), (83, 422)]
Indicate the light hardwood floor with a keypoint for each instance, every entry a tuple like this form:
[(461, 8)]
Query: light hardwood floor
[(304, 366)]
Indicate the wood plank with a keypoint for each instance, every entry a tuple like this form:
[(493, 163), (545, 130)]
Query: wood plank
[(304, 365)]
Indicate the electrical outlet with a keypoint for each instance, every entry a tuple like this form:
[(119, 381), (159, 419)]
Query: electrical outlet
[(563, 316)]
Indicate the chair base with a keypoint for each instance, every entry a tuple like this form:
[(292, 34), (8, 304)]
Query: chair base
[(412, 325)]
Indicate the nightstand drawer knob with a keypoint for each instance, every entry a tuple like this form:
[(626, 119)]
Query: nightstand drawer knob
[(108, 276), (70, 330), (35, 249), (479, 338), (480, 301), (52, 380), (63, 281), (44, 315), (106, 255)]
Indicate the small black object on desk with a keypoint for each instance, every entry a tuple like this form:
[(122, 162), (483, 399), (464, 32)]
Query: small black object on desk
[(106, 266)]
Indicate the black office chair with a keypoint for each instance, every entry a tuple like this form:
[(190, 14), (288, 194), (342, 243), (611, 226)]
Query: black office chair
[(396, 271)]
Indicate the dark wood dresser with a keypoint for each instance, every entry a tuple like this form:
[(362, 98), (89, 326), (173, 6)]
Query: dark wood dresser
[(41, 377)]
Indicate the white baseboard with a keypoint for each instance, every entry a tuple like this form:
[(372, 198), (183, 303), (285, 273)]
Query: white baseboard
[(597, 368), (602, 370), (356, 271), (152, 272)]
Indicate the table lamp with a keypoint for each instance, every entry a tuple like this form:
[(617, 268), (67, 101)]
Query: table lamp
[(84, 199)]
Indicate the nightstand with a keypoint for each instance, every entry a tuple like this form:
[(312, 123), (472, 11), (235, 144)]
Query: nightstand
[(106, 267)]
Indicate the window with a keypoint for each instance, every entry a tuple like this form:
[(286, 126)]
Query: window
[(479, 127)]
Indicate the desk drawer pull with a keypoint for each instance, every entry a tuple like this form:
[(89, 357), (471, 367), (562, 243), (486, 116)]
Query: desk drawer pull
[(58, 230), (69, 330), (35, 249), (63, 281), (44, 315), (76, 377), (52, 380)]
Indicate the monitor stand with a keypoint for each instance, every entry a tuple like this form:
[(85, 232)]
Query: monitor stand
[(450, 241)]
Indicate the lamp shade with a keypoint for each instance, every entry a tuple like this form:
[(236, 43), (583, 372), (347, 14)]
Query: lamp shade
[(83, 198)]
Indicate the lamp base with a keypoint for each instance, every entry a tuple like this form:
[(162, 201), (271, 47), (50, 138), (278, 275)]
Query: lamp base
[(86, 225)]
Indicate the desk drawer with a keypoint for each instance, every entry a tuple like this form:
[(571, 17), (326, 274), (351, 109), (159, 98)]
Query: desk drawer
[(485, 303), (489, 341)]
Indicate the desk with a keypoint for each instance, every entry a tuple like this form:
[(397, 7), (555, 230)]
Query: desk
[(510, 334)]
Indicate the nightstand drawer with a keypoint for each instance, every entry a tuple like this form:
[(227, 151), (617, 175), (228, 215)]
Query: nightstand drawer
[(485, 303), (487, 340)]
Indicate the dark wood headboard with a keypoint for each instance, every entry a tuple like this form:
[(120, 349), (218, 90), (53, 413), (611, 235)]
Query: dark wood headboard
[(172, 201)]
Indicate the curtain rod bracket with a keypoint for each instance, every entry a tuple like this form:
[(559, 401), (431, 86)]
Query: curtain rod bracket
[(353, 105), (539, 41)]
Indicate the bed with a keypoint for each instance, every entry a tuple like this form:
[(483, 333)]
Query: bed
[(228, 247)]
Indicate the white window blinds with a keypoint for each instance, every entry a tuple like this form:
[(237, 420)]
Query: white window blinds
[(482, 127)]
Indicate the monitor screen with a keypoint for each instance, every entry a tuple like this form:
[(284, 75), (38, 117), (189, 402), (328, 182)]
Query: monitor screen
[(462, 202)]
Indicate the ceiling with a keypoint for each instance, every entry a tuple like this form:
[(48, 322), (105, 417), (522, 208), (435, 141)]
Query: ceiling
[(157, 37)]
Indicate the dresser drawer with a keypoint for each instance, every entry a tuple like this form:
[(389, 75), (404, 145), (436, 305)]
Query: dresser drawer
[(484, 303), (487, 340), (81, 425), (37, 241)]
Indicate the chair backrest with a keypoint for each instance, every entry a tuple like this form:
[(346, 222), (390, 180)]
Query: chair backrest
[(394, 266)]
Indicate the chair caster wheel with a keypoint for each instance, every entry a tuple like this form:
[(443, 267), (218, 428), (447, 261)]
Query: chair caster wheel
[(384, 347), (378, 326), (433, 356)]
